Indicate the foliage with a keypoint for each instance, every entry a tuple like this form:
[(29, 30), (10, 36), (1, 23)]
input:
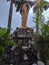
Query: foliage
[(42, 41), (42, 32), (5, 40), (45, 33), (38, 10)]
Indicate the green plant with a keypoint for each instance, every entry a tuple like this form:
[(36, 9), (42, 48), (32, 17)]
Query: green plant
[(42, 42), (5, 40), (42, 32), (39, 18)]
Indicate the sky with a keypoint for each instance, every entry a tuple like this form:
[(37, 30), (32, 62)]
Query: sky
[(16, 17)]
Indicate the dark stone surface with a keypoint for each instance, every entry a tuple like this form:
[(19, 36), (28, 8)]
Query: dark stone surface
[(15, 55), (24, 36)]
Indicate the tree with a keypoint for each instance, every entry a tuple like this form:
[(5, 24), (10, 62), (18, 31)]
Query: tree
[(23, 7), (19, 5), (10, 16), (38, 10), (42, 36)]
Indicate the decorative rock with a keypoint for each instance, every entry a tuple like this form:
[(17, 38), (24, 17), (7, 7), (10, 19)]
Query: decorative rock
[(25, 57), (13, 47), (34, 64), (40, 63)]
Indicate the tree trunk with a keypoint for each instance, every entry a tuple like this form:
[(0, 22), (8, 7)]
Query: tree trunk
[(10, 17), (24, 16), (37, 22)]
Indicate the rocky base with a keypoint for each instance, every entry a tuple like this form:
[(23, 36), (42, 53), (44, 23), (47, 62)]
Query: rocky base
[(18, 56), (24, 37), (25, 53)]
